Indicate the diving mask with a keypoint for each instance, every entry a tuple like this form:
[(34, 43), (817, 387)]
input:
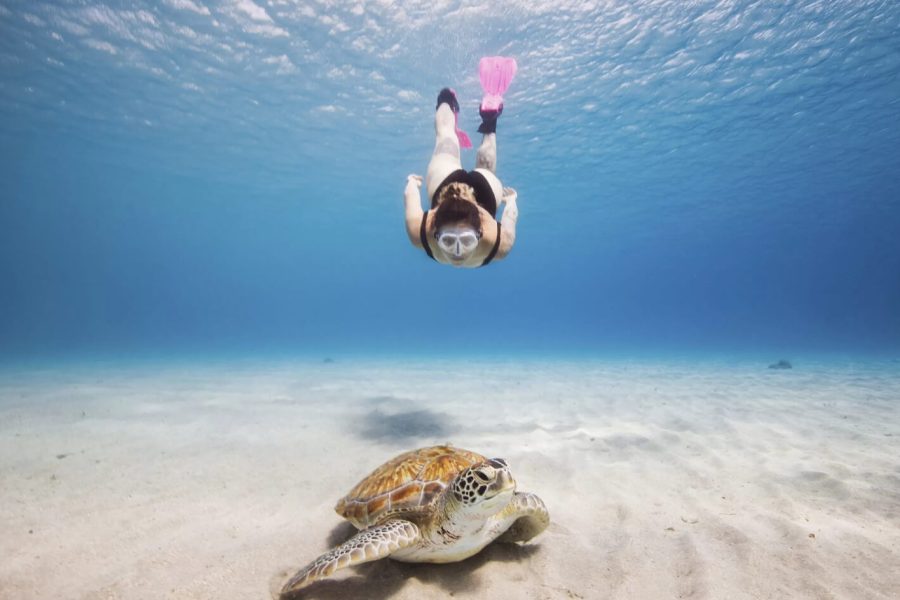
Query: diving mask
[(458, 243)]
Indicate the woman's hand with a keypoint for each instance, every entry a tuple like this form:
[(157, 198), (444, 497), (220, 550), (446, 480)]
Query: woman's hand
[(414, 179), (509, 195)]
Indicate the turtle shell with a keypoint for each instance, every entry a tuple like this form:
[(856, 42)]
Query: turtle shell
[(407, 484)]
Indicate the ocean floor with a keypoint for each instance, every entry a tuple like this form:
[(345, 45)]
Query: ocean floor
[(663, 480)]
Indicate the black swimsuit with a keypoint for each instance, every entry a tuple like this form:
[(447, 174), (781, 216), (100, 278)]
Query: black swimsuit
[(484, 197)]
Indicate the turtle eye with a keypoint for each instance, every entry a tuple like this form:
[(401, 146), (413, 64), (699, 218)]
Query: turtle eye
[(482, 475)]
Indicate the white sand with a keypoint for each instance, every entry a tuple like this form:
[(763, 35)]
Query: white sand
[(663, 481)]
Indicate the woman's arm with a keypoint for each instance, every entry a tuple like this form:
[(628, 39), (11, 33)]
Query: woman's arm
[(508, 222), (414, 214)]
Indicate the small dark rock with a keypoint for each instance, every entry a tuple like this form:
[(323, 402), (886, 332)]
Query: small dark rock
[(61, 456), (781, 364)]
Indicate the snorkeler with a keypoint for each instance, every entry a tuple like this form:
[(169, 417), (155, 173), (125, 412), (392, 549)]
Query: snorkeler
[(461, 227)]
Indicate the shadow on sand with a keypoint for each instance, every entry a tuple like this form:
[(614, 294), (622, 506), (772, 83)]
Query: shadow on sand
[(382, 579), (379, 425)]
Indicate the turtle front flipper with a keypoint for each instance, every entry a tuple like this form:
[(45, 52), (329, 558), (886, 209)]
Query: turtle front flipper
[(370, 544), (529, 515)]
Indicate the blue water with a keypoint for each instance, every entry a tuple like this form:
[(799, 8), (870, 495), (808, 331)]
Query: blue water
[(206, 177)]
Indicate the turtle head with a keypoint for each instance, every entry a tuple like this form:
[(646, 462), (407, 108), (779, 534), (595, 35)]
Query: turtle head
[(486, 485)]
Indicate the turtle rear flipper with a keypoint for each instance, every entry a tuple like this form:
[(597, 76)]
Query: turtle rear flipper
[(531, 518), (370, 544)]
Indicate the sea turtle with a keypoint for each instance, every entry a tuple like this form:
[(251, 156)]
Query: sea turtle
[(438, 504)]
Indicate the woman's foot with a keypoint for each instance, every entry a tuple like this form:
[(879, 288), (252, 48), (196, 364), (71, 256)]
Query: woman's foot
[(489, 120), (447, 96)]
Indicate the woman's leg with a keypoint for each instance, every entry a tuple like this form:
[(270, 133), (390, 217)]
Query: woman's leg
[(486, 158), (445, 158), (486, 164)]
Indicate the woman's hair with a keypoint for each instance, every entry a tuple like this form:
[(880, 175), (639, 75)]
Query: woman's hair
[(457, 205)]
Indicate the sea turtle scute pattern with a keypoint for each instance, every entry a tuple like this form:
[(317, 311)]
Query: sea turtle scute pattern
[(408, 483)]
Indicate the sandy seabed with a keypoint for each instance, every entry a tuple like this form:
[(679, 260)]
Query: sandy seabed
[(663, 480)]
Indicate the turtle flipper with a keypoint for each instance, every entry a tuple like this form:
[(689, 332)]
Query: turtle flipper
[(367, 545), (530, 517)]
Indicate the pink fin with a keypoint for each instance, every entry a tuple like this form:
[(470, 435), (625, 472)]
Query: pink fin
[(464, 141), (496, 73)]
